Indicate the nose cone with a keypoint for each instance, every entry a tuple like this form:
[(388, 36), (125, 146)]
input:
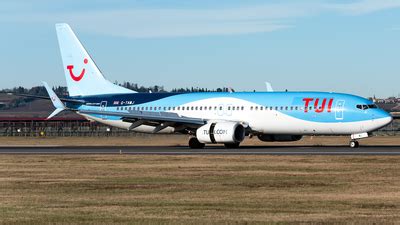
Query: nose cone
[(385, 119)]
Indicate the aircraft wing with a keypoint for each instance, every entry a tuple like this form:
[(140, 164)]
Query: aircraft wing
[(159, 119)]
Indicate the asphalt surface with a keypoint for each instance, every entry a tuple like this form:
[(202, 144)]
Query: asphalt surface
[(245, 150)]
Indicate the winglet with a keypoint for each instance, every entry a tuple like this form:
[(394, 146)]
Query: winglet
[(55, 100), (269, 87)]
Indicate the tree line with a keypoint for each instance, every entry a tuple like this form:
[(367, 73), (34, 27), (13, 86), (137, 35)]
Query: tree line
[(63, 91)]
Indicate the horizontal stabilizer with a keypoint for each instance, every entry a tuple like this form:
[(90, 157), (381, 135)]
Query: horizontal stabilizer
[(55, 100)]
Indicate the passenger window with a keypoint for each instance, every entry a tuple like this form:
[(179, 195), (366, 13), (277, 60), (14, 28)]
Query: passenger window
[(251, 108)]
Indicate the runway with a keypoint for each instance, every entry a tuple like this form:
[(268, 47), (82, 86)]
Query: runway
[(245, 150)]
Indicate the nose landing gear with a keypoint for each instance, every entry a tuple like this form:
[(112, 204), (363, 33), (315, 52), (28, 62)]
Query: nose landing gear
[(354, 144), (354, 137)]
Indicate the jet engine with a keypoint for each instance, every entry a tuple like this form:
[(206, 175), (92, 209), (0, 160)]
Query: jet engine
[(221, 132), (279, 137)]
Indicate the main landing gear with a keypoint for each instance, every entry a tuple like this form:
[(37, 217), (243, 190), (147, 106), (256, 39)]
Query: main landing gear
[(232, 145), (194, 143)]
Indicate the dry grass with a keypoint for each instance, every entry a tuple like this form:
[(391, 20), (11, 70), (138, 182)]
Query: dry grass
[(105, 189), (182, 140)]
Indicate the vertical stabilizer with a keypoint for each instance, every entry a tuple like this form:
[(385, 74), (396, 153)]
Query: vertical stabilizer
[(82, 75)]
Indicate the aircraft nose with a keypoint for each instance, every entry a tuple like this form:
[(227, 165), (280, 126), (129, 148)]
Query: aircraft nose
[(386, 120), (389, 119)]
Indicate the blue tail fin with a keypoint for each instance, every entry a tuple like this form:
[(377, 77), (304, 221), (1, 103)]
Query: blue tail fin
[(82, 75)]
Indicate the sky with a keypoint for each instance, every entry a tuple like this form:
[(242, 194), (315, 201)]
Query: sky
[(350, 46)]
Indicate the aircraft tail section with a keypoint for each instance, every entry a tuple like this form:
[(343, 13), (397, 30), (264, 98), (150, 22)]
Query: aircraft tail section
[(82, 75)]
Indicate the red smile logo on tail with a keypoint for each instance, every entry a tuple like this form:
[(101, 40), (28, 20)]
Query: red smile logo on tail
[(76, 78)]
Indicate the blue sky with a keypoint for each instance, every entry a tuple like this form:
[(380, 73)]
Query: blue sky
[(344, 46)]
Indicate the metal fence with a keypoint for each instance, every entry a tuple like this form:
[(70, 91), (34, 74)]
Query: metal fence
[(73, 128)]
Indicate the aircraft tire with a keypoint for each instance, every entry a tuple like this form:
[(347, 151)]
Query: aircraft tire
[(195, 144), (354, 144), (232, 145)]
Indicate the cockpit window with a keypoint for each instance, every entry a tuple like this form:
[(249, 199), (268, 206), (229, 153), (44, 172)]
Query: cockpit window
[(365, 107)]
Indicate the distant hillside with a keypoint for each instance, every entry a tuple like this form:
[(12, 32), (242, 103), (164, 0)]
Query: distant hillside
[(16, 107)]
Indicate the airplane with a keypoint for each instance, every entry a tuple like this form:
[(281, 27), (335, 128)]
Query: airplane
[(212, 117)]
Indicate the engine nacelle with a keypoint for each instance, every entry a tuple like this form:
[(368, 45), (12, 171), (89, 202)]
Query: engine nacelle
[(222, 132), (279, 137)]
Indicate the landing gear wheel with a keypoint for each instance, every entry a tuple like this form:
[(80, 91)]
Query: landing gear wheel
[(195, 144), (354, 144), (232, 145)]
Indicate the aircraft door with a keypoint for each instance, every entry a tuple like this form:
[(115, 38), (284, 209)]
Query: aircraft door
[(339, 110)]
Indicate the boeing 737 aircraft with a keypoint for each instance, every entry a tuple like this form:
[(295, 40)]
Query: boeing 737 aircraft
[(209, 118)]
